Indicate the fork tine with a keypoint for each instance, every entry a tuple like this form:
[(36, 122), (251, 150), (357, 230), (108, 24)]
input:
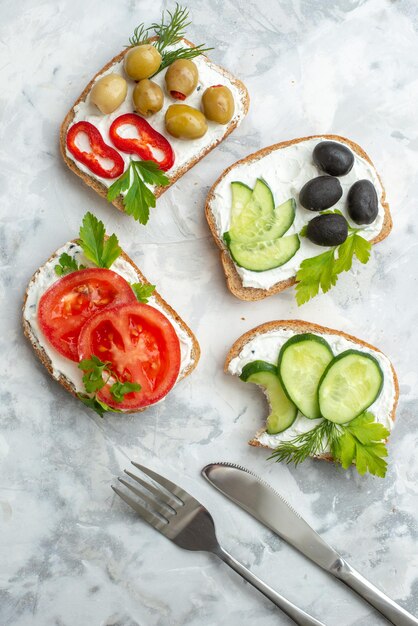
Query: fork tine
[(147, 499), (166, 500), (167, 484), (146, 515)]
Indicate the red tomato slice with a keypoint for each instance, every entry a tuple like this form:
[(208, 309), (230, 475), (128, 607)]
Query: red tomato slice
[(64, 308), (142, 347)]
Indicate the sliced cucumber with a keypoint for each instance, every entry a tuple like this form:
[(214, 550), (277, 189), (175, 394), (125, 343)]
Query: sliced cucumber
[(241, 194), (281, 221), (260, 256), (349, 385), (302, 361), (283, 411), (246, 225)]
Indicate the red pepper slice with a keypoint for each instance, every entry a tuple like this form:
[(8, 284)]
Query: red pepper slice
[(97, 148), (148, 138)]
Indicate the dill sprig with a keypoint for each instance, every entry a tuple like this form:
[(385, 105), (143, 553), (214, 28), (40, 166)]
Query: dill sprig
[(307, 444), (167, 33), (175, 29)]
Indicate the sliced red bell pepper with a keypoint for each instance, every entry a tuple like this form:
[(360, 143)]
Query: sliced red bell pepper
[(148, 138), (98, 148)]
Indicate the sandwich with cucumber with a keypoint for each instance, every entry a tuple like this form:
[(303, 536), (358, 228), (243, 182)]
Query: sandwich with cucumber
[(100, 327), (330, 395), (300, 213)]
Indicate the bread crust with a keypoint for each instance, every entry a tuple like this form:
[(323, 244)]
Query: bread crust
[(299, 326), (63, 380), (102, 189), (233, 279)]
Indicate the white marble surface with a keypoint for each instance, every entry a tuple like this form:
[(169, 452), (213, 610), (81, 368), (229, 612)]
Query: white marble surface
[(70, 552)]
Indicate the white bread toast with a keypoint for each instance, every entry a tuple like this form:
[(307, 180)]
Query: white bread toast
[(297, 327), (203, 147), (48, 355), (233, 278)]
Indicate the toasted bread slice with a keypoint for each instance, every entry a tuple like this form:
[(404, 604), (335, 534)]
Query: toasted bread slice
[(233, 278), (203, 146), (70, 378), (294, 327)]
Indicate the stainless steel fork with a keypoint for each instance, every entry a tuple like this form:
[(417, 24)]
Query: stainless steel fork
[(181, 518)]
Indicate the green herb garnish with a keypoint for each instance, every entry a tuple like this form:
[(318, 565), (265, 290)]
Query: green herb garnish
[(67, 264), (98, 248), (96, 375), (168, 34), (143, 291), (322, 271), (139, 198), (361, 441), (308, 444)]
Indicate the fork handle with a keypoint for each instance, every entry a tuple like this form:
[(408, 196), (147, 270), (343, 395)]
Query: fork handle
[(296, 614)]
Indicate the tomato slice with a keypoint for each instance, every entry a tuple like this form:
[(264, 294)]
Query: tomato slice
[(142, 347), (64, 308)]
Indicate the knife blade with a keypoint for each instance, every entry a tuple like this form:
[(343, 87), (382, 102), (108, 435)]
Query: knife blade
[(260, 500), (264, 503)]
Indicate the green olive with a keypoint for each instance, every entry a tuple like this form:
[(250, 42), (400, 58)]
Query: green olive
[(109, 92), (185, 122), (181, 78), (218, 104), (148, 97), (142, 61)]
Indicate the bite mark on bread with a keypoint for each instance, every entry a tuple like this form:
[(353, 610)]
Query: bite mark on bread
[(300, 326)]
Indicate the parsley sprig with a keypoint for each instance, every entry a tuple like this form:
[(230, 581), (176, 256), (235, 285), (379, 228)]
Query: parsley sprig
[(67, 264), (97, 374), (139, 198), (101, 250), (361, 441), (168, 32), (321, 271), (143, 291)]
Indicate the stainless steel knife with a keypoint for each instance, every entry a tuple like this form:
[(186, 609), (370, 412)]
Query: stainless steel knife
[(260, 500)]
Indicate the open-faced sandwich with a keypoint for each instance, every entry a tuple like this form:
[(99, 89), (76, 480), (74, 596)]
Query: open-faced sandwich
[(149, 115), (332, 396), (275, 212), (101, 329)]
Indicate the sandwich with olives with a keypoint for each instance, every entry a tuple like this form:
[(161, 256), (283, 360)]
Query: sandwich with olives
[(331, 396), (149, 115), (101, 329), (300, 213)]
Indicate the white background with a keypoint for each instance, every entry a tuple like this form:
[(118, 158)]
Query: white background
[(70, 552)]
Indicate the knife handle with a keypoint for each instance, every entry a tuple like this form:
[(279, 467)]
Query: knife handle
[(296, 614), (380, 601)]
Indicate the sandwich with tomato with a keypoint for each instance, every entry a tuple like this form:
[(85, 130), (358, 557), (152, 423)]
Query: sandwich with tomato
[(101, 329)]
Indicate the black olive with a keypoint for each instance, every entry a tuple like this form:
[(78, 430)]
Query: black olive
[(320, 193), (333, 158), (328, 230), (363, 205)]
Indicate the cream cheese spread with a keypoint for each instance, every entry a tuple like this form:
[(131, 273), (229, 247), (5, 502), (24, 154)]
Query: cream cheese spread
[(46, 276), (185, 150), (286, 170), (266, 347)]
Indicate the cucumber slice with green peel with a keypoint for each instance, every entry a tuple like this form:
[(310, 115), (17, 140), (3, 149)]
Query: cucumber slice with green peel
[(283, 411), (302, 362), (246, 225), (241, 194), (349, 385), (260, 256)]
